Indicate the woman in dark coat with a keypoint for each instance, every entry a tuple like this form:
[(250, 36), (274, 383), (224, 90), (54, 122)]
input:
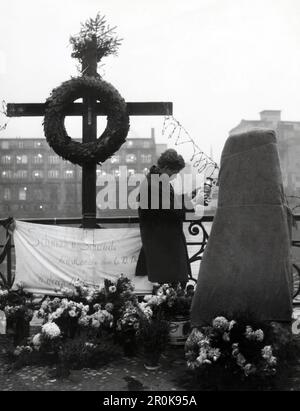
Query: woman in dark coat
[(163, 257)]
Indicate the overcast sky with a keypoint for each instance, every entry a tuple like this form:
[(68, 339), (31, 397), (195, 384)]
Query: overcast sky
[(218, 61)]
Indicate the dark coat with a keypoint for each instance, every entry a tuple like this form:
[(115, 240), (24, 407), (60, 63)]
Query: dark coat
[(163, 257)]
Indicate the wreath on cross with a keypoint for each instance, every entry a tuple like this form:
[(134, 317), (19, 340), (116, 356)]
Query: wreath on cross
[(111, 139)]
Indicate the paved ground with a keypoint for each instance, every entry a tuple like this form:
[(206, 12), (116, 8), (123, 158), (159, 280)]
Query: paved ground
[(122, 374)]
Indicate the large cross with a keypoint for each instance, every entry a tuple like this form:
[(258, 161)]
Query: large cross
[(89, 109)]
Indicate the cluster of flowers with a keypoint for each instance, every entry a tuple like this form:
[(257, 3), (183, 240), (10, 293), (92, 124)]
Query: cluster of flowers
[(18, 311), (52, 309), (100, 318), (3, 294), (81, 291), (131, 316), (171, 300), (224, 341)]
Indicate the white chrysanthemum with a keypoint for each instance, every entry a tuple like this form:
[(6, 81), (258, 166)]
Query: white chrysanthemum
[(51, 330), (259, 334), (267, 352), (112, 289), (220, 323), (36, 340), (95, 323), (72, 313)]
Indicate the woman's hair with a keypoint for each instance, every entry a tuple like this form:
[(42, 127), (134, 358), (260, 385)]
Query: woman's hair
[(172, 160)]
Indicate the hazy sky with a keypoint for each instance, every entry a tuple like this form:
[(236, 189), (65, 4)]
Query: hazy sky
[(218, 61)]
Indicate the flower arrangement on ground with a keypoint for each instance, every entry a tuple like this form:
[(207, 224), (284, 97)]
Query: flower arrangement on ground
[(18, 306), (171, 300), (236, 349)]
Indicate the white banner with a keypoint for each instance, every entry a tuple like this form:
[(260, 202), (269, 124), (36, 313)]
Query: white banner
[(51, 257)]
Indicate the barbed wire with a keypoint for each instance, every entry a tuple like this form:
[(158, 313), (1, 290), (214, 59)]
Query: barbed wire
[(200, 160), (3, 110)]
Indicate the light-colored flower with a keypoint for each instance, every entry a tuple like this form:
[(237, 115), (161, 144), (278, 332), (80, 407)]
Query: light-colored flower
[(220, 323), (267, 352), (36, 340), (259, 334), (112, 289), (95, 323), (51, 330), (72, 313)]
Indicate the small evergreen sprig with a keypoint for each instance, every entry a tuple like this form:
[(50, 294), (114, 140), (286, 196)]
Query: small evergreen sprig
[(95, 31)]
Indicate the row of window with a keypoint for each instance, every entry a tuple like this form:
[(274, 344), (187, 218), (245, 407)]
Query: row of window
[(37, 174), (39, 159), (116, 172), (5, 145), (23, 194), (23, 159), (131, 158)]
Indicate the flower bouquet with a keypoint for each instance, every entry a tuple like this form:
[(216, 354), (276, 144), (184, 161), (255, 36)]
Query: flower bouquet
[(18, 307), (171, 301), (231, 351)]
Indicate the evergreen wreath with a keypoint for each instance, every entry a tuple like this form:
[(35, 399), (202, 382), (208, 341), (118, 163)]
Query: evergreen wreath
[(111, 139)]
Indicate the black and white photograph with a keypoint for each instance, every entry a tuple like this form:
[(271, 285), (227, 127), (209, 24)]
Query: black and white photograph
[(150, 198)]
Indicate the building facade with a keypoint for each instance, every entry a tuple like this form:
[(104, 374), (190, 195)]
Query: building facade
[(36, 182), (288, 137)]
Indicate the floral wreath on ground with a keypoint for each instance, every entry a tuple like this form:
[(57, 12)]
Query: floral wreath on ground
[(111, 139), (236, 347)]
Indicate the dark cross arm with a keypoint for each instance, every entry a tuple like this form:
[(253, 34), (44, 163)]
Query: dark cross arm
[(78, 109)]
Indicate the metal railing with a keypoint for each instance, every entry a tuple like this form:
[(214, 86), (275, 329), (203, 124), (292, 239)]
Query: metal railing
[(196, 229)]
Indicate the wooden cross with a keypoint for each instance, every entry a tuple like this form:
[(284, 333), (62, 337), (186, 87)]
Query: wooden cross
[(89, 109)]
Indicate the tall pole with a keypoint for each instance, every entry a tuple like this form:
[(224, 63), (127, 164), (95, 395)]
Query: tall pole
[(89, 134)]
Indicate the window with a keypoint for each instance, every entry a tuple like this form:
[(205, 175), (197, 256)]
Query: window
[(146, 158), (36, 174), (69, 173), (7, 194), (131, 171), (6, 159), (22, 194), (22, 159), (146, 170), (53, 159), (129, 143), (38, 159), (20, 144), (147, 144), (130, 158), (53, 173), (115, 159), (5, 145), (21, 174), (116, 172), (37, 144), (6, 174)]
